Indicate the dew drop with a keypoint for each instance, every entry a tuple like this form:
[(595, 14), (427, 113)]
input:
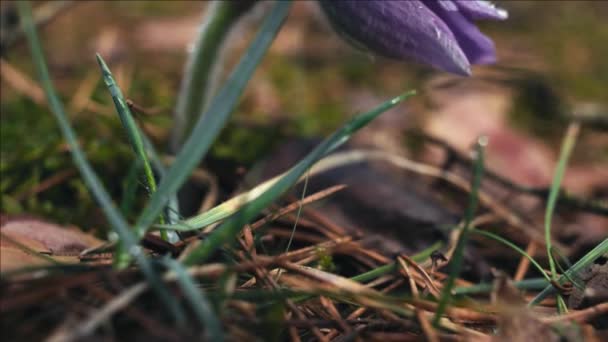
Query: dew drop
[(112, 237)]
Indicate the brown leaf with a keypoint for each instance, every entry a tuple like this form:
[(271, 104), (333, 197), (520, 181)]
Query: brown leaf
[(55, 238), (15, 258), (27, 241)]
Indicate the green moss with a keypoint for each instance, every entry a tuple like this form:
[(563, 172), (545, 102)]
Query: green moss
[(326, 261), (26, 134), (33, 150)]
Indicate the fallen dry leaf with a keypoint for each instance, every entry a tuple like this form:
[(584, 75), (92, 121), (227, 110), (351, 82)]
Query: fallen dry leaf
[(33, 242), (13, 256)]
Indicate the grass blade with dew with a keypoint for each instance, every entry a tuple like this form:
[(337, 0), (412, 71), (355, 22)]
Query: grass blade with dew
[(116, 220), (458, 256), (200, 305), (514, 247), (213, 120), (229, 229), (133, 132), (566, 150)]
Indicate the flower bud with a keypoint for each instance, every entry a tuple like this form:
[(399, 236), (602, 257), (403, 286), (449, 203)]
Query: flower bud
[(440, 33)]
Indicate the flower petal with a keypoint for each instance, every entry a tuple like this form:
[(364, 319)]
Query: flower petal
[(480, 9), (399, 29), (478, 48)]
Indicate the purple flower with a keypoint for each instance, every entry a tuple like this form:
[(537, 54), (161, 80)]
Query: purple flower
[(436, 32)]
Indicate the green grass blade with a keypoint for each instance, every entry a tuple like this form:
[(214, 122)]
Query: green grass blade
[(128, 123), (213, 120), (526, 284), (597, 252), (130, 189), (384, 269), (514, 247), (566, 150), (199, 79), (172, 212), (133, 132), (458, 256), (298, 214), (562, 307), (559, 255), (200, 305), (93, 183), (232, 226), (375, 273)]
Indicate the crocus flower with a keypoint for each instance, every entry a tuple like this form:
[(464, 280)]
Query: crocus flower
[(440, 33)]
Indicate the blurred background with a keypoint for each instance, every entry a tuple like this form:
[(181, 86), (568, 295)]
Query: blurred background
[(552, 69)]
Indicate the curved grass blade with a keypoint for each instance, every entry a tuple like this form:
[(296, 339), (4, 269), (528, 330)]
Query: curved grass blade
[(458, 256), (514, 247), (200, 305), (213, 120), (566, 150), (601, 250), (93, 183), (232, 226)]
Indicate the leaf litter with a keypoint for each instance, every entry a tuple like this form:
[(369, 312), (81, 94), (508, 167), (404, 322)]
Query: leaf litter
[(332, 284), (321, 285)]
